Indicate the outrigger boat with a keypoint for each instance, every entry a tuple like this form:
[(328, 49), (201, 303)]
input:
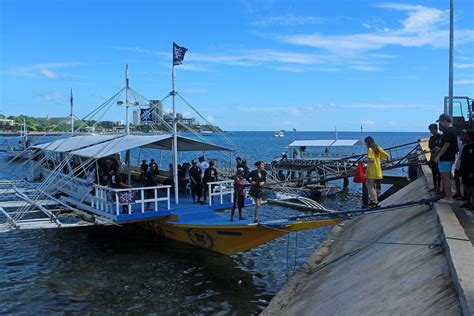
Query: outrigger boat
[(67, 172), (170, 216)]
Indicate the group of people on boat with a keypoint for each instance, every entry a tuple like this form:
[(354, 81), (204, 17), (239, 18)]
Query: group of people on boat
[(452, 150), (195, 176)]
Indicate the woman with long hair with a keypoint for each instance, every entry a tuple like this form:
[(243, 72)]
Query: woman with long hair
[(374, 169), (258, 177)]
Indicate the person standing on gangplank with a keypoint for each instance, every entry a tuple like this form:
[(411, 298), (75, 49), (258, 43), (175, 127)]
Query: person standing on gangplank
[(258, 178), (374, 168)]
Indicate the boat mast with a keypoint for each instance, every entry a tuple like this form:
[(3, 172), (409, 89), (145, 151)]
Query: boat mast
[(72, 117), (126, 99), (175, 138), (335, 129), (25, 134), (449, 110)]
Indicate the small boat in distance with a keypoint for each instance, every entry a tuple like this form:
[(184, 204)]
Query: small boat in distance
[(279, 134), (206, 133)]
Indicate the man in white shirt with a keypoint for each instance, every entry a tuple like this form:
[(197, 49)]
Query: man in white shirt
[(203, 165)]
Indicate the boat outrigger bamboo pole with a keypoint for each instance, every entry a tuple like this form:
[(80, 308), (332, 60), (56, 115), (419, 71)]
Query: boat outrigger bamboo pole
[(175, 138)]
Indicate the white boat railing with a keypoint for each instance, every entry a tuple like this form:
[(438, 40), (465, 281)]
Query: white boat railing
[(110, 200), (222, 188)]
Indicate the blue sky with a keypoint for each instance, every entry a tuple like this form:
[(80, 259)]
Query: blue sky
[(251, 65)]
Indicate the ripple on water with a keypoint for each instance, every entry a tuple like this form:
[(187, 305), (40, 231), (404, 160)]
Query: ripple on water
[(110, 270)]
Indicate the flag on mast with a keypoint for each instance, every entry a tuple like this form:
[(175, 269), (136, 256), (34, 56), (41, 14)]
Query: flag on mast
[(71, 100), (178, 54)]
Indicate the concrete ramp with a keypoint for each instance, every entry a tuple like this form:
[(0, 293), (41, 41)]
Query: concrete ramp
[(354, 278)]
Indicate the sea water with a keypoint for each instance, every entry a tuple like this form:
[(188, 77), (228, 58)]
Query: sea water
[(110, 270)]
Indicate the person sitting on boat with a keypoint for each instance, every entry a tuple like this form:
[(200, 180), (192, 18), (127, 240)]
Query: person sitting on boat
[(116, 182), (210, 175), (150, 181), (239, 193), (258, 178), (115, 178), (374, 168), (195, 177), (143, 170)]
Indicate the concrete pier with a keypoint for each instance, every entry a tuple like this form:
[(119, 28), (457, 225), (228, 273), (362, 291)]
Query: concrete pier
[(348, 275)]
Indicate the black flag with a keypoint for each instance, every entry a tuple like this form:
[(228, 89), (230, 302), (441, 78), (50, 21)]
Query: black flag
[(178, 54)]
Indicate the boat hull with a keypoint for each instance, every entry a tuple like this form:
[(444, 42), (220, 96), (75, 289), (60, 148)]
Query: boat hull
[(230, 239)]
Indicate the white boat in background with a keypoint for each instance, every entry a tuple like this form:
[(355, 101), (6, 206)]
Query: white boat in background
[(279, 134), (207, 133)]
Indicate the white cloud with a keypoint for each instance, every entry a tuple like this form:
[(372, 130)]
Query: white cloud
[(193, 67), (463, 66), (465, 81), (387, 106), (367, 123), (45, 70), (423, 26), (195, 90), (49, 74), (55, 97), (289, 20)]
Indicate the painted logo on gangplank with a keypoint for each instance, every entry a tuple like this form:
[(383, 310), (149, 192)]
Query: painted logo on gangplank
[(200, 238)]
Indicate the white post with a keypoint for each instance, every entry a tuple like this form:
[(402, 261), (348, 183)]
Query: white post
[(156, 200), (175, 140), (449, 110), (126, 99), (209, 193), (168, 193), (72, 117), (117, 207), (143, 198), (220, 191)]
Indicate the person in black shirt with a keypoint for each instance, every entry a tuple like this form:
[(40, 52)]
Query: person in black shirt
[(150, 181), (116, 182), (258, 178), (195, 177), (210, 175), (143, 170), (447, 154), (434, 143), (467, 170), (152, 162)]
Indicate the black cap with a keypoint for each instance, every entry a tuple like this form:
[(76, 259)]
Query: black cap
[(444, 117)]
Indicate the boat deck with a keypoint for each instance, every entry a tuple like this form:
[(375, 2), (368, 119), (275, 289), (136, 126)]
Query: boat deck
[(186, 210)]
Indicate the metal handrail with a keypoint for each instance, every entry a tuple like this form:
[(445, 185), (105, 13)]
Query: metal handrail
[(102, 202), (223, 190)]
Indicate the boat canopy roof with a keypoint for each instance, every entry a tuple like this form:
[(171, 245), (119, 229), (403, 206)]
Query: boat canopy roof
[(325, 142), (74, 143), (127, 142)]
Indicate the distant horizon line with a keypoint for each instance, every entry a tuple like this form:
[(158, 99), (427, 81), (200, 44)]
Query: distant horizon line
[(330, 131)]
